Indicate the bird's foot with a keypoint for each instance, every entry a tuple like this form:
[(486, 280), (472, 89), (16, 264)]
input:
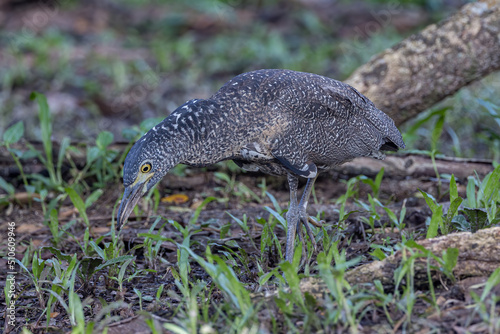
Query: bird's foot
[(295, 217), (306, 219)]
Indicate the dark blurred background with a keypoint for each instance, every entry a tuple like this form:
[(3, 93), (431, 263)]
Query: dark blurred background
[(110, 65)]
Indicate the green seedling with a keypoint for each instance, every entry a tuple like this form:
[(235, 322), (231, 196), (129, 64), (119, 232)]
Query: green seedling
[(225, 278), (55, 176), (404, 278), (485, 305), (437, 215), (339, 290), (9, 189), (75, 308), (120, 278), (62, 277), (38, 277), (152, 247), (79, 204), (482, 207), (235, 189), (268, 238), (398, 222), (109, 258), (411, 134), (455, 202), (374, 184), (243, 224), (11, 136)]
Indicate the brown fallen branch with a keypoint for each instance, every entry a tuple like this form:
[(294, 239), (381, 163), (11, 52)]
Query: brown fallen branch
[(478, 257), (425, 68), (416, 165)]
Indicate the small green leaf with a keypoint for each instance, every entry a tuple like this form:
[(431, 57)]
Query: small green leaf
[(437, 215), (491, 186), (392, 216), (78, 203), (197, 212), (92, 154), (478, 218), (378, 182), (46, 129), (62, 151), (58, 254), (471, 192), (450, 257), (453, 209), (493, 281), (379, 254), (453, 189), (93, 197), (437, 130), (223, 231), (89, 265), (123, 270), (98, 249), (14, 133), (116, 260), (54, 225), (104, 139), (9, 188)]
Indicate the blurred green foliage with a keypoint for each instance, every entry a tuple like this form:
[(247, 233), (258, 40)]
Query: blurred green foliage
[(147, 57)]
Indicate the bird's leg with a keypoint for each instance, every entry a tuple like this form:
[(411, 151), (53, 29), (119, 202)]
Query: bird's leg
[(304, 217), (292, 217)]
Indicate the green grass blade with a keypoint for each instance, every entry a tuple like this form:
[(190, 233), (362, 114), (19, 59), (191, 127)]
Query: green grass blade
[(493, 280), (198, 210), (437, 215), (14, 133), (78, 203), (471, 192), (46, 129), (453, 189), (437, 130), (490, 190), (60, 157)]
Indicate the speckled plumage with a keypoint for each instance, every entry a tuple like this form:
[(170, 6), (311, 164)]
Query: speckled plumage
[(280, 122)]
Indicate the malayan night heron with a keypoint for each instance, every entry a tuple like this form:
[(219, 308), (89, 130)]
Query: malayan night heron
[(278, 122)]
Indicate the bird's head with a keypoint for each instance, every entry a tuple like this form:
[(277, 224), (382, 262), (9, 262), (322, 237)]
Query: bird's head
[(145, 165)]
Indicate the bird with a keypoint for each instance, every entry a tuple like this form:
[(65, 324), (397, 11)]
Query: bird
[(276, 121)]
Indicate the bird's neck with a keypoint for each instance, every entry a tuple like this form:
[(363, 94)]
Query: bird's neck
[(198, 133)]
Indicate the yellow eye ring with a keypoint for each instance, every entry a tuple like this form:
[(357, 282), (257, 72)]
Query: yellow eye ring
[(146, 168)]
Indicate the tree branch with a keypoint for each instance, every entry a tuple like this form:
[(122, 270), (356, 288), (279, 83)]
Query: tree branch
[(425, 68)]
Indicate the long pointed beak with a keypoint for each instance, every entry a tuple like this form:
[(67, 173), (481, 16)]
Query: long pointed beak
[(130, 198)]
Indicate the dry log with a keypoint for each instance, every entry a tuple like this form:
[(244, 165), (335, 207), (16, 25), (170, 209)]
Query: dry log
[(478, 257), (425, 68), (416, 166)]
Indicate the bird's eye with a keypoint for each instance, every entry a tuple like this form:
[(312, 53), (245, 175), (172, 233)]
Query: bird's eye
[(146, 168)]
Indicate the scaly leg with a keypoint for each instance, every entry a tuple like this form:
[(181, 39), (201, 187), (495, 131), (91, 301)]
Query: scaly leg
[(292, 217), (304, 217), (297, 214)]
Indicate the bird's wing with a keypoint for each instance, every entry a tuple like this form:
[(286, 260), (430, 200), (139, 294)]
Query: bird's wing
[(362, 109)]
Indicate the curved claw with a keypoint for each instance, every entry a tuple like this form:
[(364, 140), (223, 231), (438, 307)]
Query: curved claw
[(315, 222), (306, 219)]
